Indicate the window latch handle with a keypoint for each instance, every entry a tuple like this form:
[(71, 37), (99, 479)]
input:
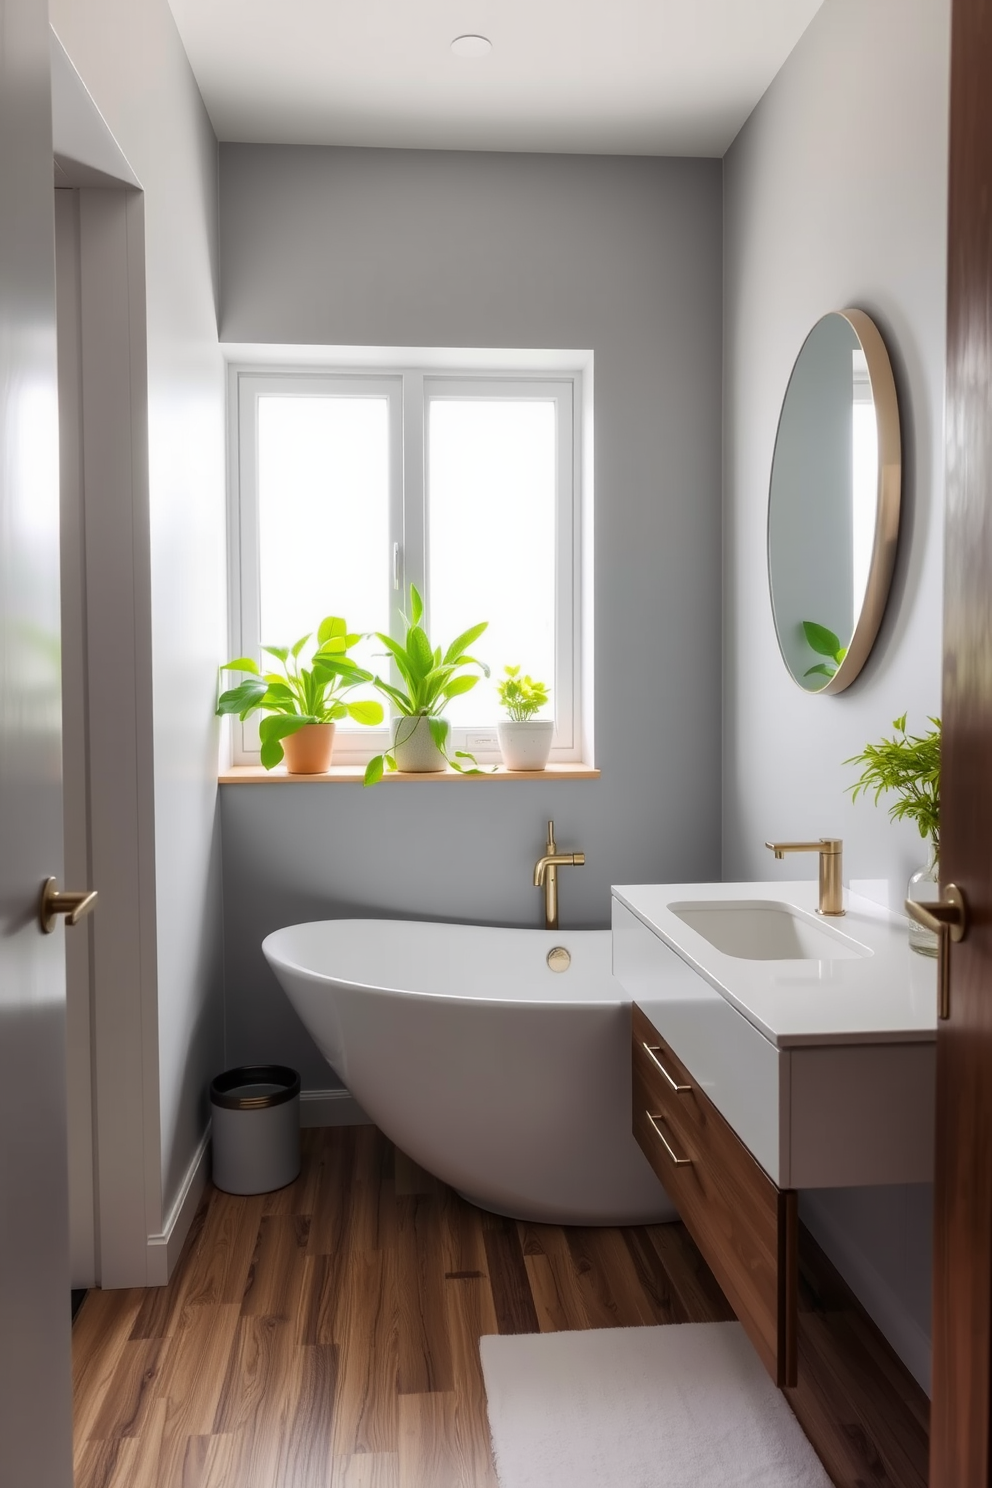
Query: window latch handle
[(396, 565)]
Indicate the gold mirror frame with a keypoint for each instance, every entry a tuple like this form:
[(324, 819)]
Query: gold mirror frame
[(887, 506)]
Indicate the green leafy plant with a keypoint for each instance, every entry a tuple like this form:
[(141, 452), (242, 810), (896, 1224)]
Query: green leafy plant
[(522, 697), (824, 643), (908, 764), (431, 679), (299, 694)]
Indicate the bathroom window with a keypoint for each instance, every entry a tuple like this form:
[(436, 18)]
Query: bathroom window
[(351, 487)]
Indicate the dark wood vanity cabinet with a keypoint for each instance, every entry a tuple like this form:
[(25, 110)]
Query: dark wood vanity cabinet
[(745, 1226)]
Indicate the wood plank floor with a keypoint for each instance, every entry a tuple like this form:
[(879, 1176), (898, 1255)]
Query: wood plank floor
[(326, 1336)]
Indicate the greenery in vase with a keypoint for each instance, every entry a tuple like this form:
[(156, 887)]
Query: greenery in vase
[(431, 678), (824, 643), (908, 764), (299, 694), (522, 697)]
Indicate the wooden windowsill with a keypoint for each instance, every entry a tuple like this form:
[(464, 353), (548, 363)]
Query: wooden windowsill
[(255, 775)]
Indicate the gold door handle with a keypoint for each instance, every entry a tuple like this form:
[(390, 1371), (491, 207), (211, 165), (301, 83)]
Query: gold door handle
[(652, 1051), (948, 919), (55, 903), (680, 1162)]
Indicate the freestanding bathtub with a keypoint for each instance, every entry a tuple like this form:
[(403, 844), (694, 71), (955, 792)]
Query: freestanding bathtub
[(507, 1080)]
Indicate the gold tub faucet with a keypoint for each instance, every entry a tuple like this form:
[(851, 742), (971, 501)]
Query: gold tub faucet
[(546, 875), (831, 850)]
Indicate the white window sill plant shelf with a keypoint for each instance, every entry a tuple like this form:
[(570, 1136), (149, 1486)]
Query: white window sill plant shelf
[(340, 774)]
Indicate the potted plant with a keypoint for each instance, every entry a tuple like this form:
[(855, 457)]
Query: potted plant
[(303, 703), (909, 764), (431, 678), (524, 741)]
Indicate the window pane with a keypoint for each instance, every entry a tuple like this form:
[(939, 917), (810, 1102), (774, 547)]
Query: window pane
[(323, 505), (491, 524)]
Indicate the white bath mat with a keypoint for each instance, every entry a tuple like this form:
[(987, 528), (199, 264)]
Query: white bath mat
[(683, 1406)]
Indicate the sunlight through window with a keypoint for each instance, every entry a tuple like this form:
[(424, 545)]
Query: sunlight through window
[(323, 516), (354, 485), (491, 523)]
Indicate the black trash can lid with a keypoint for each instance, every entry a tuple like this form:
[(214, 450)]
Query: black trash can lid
[(253, 1087)]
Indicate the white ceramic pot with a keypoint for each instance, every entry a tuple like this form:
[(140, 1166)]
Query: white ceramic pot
[(414, 749), (525, 746)]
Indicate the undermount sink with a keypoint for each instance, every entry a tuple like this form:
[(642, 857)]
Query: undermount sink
[(763, 930), (800, 980)]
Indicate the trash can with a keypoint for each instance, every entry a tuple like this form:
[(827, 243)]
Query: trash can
[(256, 1128)]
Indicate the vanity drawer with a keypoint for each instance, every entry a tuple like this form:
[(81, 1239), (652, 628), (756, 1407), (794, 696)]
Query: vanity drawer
[(745, 1227)]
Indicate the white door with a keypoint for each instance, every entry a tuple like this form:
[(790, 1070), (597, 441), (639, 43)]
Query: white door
[(35, 1400)]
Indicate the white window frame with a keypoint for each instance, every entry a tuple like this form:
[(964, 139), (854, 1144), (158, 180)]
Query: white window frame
[(408, 391)]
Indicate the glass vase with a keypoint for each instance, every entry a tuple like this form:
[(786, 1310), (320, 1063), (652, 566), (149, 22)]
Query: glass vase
[(924, 888)]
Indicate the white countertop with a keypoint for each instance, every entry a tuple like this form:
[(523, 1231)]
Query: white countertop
[(889, 996)]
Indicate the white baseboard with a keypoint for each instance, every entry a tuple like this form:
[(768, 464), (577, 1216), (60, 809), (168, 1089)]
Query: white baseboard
[(317, 1108), (331, 1108), (164, 1250), (876, 1296)]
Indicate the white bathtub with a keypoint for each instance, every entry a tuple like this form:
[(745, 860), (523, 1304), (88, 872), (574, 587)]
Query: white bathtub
[(509, 1081)]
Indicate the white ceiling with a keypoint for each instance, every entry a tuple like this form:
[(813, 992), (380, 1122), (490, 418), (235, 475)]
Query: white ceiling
[(642, 77)]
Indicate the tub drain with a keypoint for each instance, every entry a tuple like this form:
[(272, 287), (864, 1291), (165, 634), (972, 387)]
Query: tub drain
[(559, 959)]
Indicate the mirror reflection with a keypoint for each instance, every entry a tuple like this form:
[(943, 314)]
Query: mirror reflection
[(828, 550)]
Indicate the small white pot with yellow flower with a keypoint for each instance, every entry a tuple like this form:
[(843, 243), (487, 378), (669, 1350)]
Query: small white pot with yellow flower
[(524, 740)]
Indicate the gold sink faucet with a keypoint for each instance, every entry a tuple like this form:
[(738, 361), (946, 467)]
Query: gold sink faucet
[(546, 875), (831, 851)]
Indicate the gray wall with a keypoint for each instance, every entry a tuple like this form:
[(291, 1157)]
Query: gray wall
[(132, 61), (404, 248), (835, 195)]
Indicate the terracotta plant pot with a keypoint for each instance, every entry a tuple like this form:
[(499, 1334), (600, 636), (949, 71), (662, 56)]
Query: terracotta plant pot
[(525, 746), (309, 750), (414, 749)]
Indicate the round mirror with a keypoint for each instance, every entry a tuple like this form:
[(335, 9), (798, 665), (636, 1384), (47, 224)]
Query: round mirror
[(833, 506)]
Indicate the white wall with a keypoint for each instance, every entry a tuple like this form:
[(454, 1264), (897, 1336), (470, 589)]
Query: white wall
[(408, 248), (129, 55), (835, 195)]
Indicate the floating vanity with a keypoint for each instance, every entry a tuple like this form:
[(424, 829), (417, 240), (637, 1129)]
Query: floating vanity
[(773, 1050)]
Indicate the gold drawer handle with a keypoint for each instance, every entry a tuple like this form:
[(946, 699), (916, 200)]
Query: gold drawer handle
[(680, 1162), (652, 1052)]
